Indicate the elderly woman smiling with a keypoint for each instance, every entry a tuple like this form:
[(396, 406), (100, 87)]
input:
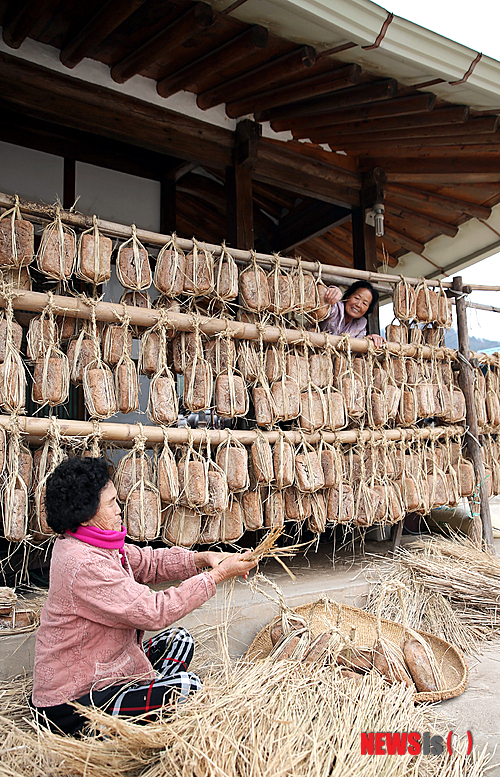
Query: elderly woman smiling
[(348, 311), (89, 645)]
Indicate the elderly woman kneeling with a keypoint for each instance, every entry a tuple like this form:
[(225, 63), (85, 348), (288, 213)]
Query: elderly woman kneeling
[(89, 645)]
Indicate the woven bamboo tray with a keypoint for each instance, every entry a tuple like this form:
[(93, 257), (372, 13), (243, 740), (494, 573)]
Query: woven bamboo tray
[(326, 614)]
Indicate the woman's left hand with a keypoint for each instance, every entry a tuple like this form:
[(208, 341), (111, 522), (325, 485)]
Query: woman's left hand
[(209, 559), (378, 340)]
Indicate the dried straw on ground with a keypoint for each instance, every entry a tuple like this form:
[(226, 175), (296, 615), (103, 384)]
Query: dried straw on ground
[(258, 720), (446, 587)]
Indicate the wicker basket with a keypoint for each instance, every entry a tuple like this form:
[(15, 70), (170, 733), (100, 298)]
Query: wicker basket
[(326, 614)]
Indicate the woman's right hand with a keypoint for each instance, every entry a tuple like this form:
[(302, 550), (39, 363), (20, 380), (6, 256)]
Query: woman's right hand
[(333, 294), (233, 565)]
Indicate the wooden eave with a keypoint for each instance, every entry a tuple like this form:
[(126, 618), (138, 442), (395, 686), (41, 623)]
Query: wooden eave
[(447, 153)]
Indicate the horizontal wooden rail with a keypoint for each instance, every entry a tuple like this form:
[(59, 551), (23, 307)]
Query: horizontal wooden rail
[(126, 433), (112, 312), (46, 213)]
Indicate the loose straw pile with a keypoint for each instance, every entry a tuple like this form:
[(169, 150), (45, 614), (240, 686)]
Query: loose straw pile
[(267, 548), (251, 720), (452, 590)]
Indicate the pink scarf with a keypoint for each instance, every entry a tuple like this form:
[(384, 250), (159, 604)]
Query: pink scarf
[(101, 538)]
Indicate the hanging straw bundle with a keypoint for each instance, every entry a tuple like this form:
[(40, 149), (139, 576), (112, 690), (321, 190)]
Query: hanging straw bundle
[(305, 293), (198, 378), (445, 309), (16, 332), (199, 276), (231, 397), (285, 392), (323, 308), (316, 521), (253, 508), (232, 521), (427, 307), (232, 458), (136, 299), (98, 383), (93, 263), (47, 458), (126, 378), (274, 509), (12, 375), (80, 352), (351, 385), (133, 467), (170, 269), (297, 367), (283, 461), (262, 460), (116, 338), (226, 276), (16, 239), (308, 471), (297, 504), (15, 512), (281, 289), (193, 478), (166, 474), (182, 526), (404, 301), (254, 288), (52, 372), (132, 264), (218, 493), (142, 511), (264, 407), (57, 252)]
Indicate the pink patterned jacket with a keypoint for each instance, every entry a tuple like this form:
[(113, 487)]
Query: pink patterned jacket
[(88, 635)]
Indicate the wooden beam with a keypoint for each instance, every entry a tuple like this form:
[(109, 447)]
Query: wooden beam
[(473, 128), (105, 21), (404, 241), (437, 171), (323, 167), (72, 102), (305, 184), (229, 54), (261, 77), (467, 385), (312, 221), (456, 115), (196, 18), (26, 20), (326, 251), (326, 83), (355, 95), (454, 205), (399, 211), (406, 106)]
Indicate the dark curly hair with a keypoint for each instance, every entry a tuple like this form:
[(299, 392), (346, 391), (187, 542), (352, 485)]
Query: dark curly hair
[(353, 288), (73, 492)]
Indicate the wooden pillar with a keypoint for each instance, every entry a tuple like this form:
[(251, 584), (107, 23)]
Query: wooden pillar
[(467, 386), (364, 244), (239, 197)]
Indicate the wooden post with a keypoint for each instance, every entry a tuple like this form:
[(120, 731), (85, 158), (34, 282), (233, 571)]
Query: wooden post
[(364, 244), (239, 209), (467, 386)]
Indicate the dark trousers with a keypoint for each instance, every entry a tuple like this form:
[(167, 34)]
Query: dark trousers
[(170, 652)]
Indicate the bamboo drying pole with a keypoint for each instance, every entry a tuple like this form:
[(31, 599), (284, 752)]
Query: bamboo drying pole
[(117, 432), (46, 213), (111, 312), (467, 384)]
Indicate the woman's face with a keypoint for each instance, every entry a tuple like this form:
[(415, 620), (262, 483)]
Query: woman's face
[(358, 303), (108, 515)]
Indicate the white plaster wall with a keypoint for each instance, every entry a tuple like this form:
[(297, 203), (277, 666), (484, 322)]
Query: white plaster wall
[(119, 197), (33, 175)]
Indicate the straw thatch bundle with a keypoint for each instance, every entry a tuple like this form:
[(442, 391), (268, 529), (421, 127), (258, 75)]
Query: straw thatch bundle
[(451, 589), (250, 719)]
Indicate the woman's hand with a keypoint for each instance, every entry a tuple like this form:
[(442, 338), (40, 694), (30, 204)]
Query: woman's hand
[(378, 340), (209, 558), (233, 565), (333, 294)]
